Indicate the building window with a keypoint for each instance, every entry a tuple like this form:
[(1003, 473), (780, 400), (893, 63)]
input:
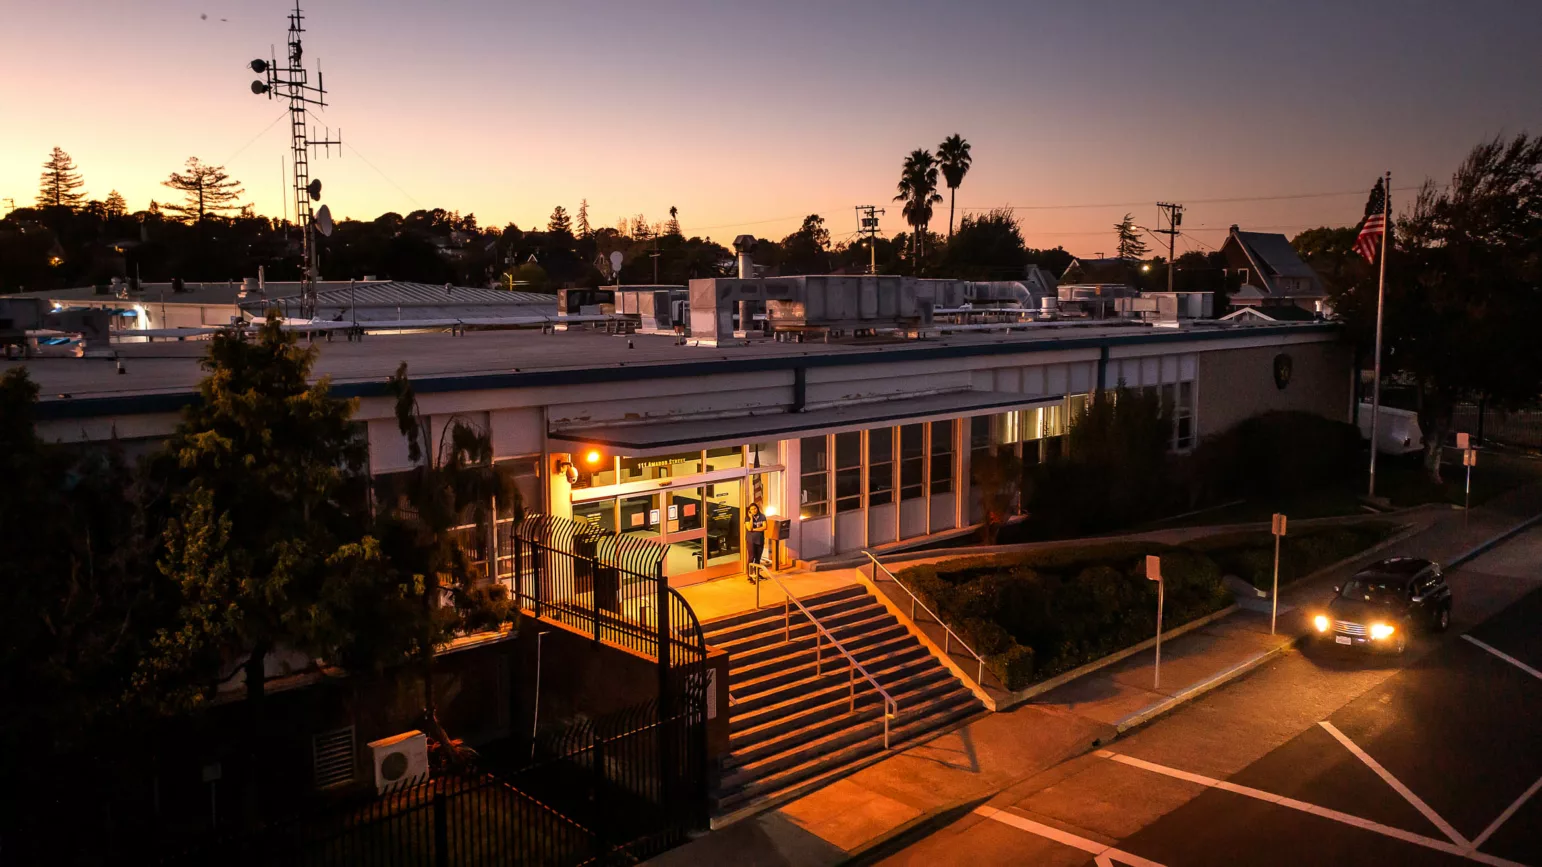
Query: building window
[(880, 466), (1243, 273), (660, 467), (1183, 416), (814, 488), (941, 465), (848, 471), (599, 515), (912, 461), (726, 458), (764, 454), (979, 437)]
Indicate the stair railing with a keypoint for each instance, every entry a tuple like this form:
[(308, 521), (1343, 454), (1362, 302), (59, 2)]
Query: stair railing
[(948, 637), (821, 634)]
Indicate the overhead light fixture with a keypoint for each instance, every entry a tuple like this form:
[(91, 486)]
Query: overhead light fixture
[(592, 457)]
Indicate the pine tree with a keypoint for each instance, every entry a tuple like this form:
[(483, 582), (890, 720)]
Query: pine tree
[(584, 229), (59, 186), (673, 226), (559, 224), (116, 206), (1130, 244), (208, 190)]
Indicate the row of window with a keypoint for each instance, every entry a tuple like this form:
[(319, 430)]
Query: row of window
[(606, 471), (904, 462)]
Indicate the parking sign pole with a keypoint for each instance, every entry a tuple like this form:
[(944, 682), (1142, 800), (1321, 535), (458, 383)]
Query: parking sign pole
[(1469, 460), (1277, 527), (1154, 573)]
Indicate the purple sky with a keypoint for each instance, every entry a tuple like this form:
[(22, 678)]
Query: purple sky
[(748, 116)]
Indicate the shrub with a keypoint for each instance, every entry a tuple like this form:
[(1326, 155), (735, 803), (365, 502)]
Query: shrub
[(1276, 454), (1014, 667)]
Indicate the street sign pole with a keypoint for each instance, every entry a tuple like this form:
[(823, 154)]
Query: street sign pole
[(1469, 460), (1154, 573), (1277, 527)]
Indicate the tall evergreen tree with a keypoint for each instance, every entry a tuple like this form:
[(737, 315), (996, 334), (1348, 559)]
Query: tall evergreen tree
[(560, 223), (673, 226), (59, 186), (1130, 245), (954, 160), (423, 510), (584, 229), (207, 190), (115, 205)]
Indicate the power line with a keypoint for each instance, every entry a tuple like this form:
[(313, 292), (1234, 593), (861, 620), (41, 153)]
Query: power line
[(1221, 201), (264, 132)]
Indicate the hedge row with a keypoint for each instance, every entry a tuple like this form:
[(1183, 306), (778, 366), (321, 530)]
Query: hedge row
[(1034, 616), (1251, 556)]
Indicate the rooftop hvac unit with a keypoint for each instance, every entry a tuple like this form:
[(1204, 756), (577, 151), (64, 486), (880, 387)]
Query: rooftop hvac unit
[(400, 760)]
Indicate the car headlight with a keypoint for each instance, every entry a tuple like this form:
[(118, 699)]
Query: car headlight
[(1382, 630), (1321, 622)]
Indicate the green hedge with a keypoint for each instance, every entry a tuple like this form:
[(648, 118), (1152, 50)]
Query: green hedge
[(1036, 615), (1251, 556)]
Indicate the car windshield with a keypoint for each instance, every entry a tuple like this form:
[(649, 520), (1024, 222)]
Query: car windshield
[(1376, 589)]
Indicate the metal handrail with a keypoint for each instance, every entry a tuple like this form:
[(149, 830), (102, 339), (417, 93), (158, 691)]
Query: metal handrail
[(890, 706), (949, 635)]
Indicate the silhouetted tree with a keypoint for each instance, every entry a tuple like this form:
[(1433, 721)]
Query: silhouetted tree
[(918, 190), (59, 186), (560, 224), (954, 160), (115, 206), (206, 189), (1130, 245), (987, 247), (584, 229)]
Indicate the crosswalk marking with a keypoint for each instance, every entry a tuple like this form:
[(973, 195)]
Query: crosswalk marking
[(1397, 785), (1103, 855)]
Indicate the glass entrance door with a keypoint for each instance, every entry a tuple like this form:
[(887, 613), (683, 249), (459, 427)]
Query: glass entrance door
[(683, 532)]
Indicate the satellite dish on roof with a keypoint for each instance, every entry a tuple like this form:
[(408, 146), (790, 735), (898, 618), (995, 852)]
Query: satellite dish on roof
[(324, 221), (313, 189), (615, 261)]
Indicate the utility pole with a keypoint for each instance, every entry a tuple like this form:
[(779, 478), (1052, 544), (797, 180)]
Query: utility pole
[(867, 224), (1174, 215)]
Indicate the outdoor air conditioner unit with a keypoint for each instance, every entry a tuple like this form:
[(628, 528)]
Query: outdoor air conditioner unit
[(400, 760)]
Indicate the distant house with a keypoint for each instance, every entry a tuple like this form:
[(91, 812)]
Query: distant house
[(1270, 313), (1269, 272)]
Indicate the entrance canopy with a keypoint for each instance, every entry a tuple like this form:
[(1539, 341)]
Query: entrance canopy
[(663, 437)]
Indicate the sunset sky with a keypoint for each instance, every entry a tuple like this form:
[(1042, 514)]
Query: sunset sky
[(747, 116)]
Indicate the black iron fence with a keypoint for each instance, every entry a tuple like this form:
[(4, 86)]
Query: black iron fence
[(1519, 428), (612, 790), (609, 586)]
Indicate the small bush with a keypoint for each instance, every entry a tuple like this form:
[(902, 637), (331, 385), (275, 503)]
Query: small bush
[(1014, 667)]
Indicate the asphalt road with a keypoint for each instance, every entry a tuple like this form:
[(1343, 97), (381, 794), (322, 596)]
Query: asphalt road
[(1326, 756)]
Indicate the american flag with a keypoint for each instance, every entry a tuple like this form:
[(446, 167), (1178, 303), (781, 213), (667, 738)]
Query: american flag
[(1375, 223)]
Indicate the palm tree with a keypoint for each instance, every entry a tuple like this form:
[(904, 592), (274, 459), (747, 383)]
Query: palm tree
[(953, 158), (918, 190)]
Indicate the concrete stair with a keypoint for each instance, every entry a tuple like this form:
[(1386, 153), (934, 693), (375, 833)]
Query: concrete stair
[(792, 728)]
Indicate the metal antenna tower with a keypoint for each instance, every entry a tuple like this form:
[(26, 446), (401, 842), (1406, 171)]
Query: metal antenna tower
[(867, 224), (291, 81)]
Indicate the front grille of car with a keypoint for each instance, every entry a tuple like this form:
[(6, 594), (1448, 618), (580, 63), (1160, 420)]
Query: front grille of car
[(1344, 627)]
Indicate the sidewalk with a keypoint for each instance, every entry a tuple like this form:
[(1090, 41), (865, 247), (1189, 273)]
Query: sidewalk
[(929, 782)]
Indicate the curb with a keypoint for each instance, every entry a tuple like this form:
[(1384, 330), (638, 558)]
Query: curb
[(1488, 544), (1145, 715), (1028, 692)]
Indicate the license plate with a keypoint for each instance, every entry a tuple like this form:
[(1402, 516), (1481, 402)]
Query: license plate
[(1341, 639)]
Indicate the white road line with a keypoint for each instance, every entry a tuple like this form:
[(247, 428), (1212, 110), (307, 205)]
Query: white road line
[(1101, 854), (1397, 785), (1102, 861), (1313, 809), (1505, 816), (1506, 657)]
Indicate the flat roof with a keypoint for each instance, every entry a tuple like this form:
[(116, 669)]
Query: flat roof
[(649, 438), (163, 376)]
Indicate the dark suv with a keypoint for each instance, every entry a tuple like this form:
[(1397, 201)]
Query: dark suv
[(1382, 603)]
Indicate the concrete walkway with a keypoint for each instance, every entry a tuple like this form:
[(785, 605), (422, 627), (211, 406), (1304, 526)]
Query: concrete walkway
[(932, 782), (733, 595)]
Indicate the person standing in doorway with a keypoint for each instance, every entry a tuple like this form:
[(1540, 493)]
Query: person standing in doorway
[(755, 537)]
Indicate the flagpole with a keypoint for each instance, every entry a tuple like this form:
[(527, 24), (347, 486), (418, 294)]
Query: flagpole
[(1381, 294)]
